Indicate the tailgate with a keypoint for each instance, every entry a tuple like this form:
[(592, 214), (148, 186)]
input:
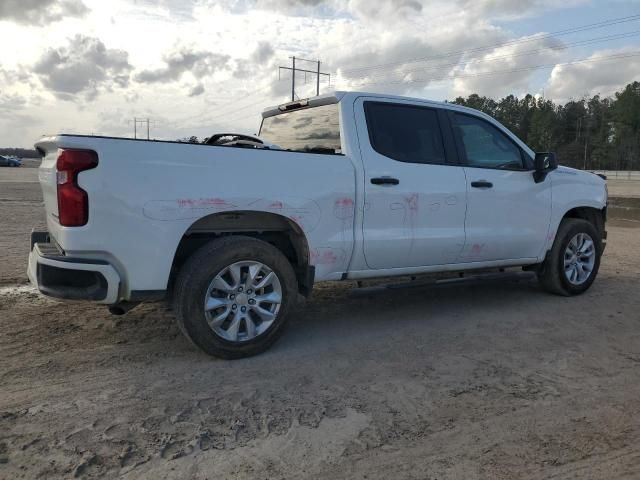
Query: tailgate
[(47, 178)]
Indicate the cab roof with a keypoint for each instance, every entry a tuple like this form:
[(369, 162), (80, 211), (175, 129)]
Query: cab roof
[(339, 95)]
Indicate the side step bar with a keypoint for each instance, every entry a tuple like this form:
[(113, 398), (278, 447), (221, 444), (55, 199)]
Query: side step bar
[(463, 279)]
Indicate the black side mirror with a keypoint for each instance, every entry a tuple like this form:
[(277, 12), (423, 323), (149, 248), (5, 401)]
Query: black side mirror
[(544, 163)]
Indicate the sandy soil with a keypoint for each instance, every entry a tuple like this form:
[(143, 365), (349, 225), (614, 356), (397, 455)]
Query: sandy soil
[(495, 380)]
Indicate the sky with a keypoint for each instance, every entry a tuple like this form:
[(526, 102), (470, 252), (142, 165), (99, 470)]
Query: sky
[(205, 66)]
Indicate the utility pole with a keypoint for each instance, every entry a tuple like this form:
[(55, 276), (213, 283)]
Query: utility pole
[(293, 69), (136, 121), (578, 128), (586, 139), (318, 79)]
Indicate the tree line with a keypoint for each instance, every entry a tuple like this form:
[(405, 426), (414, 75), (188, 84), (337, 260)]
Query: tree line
[(20, 152), (591, 133)]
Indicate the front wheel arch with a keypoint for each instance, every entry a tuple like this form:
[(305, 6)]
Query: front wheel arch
[(551, 273)]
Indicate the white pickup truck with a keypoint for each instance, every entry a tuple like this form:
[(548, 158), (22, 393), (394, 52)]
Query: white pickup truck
[(344, 186)]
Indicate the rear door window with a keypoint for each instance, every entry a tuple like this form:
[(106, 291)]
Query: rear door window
[(311, 130), (406, 133)]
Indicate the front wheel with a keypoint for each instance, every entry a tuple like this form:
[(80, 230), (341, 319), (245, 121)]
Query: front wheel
[(233, 295), (572, 265)]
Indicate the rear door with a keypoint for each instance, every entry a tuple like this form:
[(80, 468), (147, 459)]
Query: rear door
[(508, 213), (415, 194)]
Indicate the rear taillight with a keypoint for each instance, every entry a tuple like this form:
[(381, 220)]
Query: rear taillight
[(73, 202)]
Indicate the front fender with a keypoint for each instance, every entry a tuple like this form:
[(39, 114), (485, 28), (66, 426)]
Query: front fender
[(573, 189)]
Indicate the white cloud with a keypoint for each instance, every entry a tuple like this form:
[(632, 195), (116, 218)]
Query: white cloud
[(39, 12), (513, 9), (603, 77), (197, 90), (486, 75), (10, 103), (84, 66), (198, 63)]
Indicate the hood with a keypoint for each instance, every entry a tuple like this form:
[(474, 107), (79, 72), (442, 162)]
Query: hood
[(573, 175)]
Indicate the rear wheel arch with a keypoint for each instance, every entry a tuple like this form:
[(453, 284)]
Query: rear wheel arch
[(277, 230), (216, 305)]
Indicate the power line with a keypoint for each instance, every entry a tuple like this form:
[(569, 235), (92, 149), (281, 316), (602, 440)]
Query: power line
[(507, 56), (218, 114), (515, 70), (497, 72), (240, 100), (528, 52), (602, 24), (592, 26), (477, 74)]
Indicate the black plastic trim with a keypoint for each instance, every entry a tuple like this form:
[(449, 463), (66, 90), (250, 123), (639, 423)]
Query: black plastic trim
[(71, 284), (306, 276), (452, 155), (39, 237), (147, 295)]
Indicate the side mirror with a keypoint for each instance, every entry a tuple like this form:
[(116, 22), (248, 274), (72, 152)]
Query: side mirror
[(544, 163)]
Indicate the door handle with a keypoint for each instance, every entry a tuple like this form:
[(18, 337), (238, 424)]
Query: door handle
[(482, 184), (385, 181)]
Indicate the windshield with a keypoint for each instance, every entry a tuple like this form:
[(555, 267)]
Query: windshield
[(313, 130)]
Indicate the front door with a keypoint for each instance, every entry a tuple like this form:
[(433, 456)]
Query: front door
[(508, 214), (415, 200)]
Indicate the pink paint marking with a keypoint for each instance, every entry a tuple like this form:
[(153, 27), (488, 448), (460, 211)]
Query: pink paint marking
[(324, 257), (412, 201), (344, 202), (203, 202), (477, 249), (343, 208), (276, 205)]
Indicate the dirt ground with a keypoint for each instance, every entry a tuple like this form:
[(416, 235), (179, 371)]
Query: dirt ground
[(496, 380)]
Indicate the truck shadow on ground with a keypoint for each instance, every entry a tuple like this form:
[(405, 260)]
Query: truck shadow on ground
[(336, 316)]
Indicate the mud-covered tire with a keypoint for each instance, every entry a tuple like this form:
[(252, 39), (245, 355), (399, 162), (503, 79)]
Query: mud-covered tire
[(192, 290), (552, 272)]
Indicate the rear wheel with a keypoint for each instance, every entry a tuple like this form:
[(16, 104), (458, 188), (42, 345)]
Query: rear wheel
[(572, 265), (233, 296)]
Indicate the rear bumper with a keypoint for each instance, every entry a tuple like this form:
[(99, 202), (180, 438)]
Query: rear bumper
[(57, 275)]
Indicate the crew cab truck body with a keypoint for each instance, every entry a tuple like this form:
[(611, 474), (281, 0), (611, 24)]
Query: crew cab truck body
[(345, 186)]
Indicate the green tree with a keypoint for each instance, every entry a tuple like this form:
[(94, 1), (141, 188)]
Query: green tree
[(593, 133)]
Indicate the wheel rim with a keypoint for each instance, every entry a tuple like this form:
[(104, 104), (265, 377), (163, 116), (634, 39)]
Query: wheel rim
[(243, 301), (579, 259)]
